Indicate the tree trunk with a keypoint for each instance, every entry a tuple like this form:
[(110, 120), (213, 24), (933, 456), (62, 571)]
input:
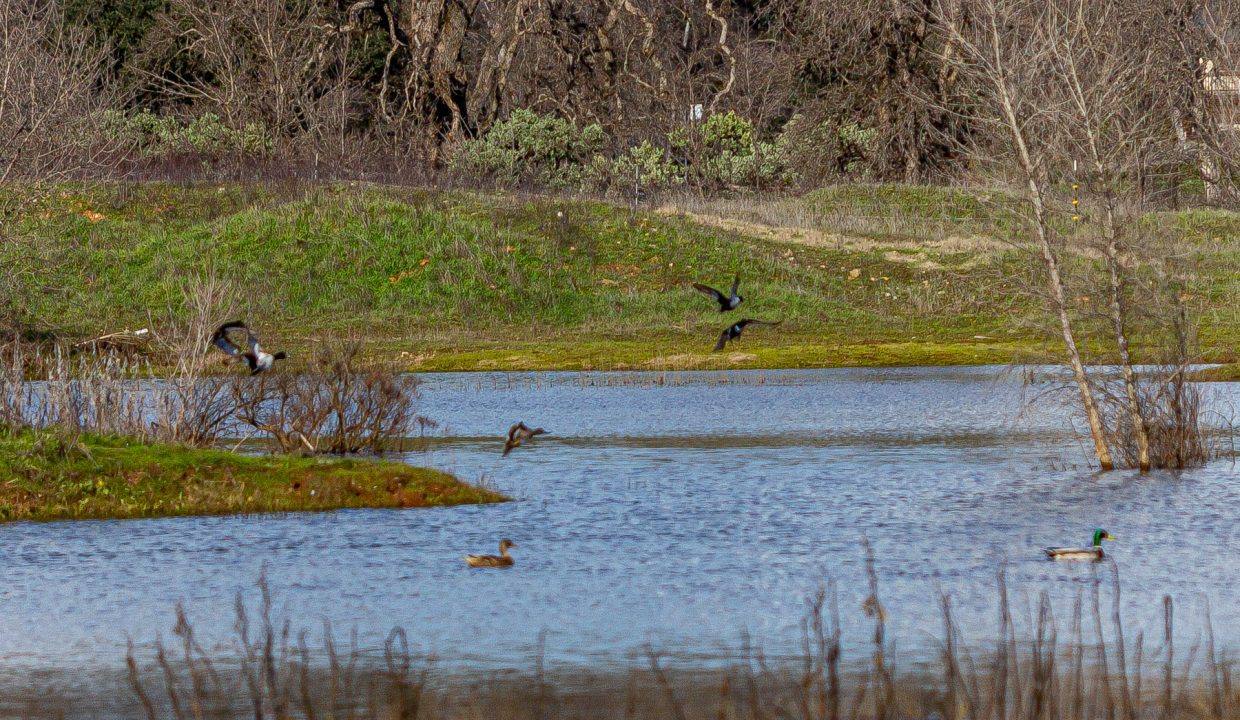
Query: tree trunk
[(1093, 131), (1118, 314), (1049, 258)]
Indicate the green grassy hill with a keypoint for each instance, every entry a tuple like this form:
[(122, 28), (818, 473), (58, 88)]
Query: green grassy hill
[(454, 280)]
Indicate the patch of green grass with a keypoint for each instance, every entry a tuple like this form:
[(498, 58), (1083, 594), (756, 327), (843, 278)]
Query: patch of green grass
[(456, 280), (47, 476), (406, 267)]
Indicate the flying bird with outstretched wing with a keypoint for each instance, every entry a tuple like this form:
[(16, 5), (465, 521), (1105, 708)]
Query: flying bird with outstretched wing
[(520, 433), (731, 301), (734, 330), (257, 359)]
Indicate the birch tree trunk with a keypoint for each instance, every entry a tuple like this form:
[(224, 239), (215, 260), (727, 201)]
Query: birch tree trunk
[(1106, 117), (1050, 259)]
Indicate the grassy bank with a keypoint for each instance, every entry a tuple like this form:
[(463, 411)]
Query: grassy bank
[(46, 476), (861, 275), (1220, 373)]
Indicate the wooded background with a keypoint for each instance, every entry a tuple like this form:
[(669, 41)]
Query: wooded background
[(877, 90)]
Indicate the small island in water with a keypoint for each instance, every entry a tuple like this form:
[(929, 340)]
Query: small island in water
[(54, 476)]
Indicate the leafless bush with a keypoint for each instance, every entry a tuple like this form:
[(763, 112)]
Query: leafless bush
[(90, 393), (338, 405), (1171, 407), (53, 93), (192, 405)]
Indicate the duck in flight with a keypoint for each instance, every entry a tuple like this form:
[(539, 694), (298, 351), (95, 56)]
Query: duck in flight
[(731, 301), (520, 433), (734, 330), (501, 560), (255, 357), (1094, 552)]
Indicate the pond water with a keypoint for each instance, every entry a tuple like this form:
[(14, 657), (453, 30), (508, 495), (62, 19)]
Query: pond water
[(676, 509)]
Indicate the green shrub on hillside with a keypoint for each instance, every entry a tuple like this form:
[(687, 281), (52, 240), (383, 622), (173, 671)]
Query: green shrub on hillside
[(723, 152), (553, 153), (646, 164), (207, 135), (532, 148)]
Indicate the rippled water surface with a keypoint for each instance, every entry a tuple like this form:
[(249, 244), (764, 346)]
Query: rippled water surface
[(680, 509)]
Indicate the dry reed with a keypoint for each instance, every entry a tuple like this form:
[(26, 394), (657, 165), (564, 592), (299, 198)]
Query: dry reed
[(1038, 672)]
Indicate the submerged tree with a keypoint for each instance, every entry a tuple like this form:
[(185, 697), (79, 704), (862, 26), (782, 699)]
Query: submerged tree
[(1073, 99)]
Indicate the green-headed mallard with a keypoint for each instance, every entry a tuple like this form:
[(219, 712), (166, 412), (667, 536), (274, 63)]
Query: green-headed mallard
[(1089, 553), (501, 560)]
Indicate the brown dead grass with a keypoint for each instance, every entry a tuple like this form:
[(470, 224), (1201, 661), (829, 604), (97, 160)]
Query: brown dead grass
[(918, 253)]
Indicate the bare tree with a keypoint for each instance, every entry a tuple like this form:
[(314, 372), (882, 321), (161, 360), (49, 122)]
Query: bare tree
[(1199, 42), (278, 65), (53, 97), (52, 94), (890, 67), (1005, 47), (1113, 106)]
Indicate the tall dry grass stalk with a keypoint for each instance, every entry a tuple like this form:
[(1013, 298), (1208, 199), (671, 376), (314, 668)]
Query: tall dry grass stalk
[(1035, 670), (194, 405)]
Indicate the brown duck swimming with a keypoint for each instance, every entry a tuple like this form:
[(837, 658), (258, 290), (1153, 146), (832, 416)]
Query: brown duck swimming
[(501, 560)]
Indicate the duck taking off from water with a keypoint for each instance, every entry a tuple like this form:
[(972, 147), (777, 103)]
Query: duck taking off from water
[(1089, 553), (520, 433), (501, 560), (731, 301), (734, 330), (255, 357)]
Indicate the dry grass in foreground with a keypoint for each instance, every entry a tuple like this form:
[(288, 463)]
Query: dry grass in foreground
[(1083, 667)]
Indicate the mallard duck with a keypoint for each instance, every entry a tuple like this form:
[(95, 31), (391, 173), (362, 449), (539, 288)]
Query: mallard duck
[(501, 560), (520, 433), (1089, 553), (734, 330), (255, 358), (731, 301)]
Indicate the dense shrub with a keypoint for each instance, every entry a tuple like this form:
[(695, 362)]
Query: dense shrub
[(544, 151), (529, 148), (723, 152), (821, 151), (206, 135), (647, 165), (727, 133)]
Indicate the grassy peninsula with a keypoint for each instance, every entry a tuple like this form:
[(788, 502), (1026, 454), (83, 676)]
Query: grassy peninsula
[(50, 476)]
